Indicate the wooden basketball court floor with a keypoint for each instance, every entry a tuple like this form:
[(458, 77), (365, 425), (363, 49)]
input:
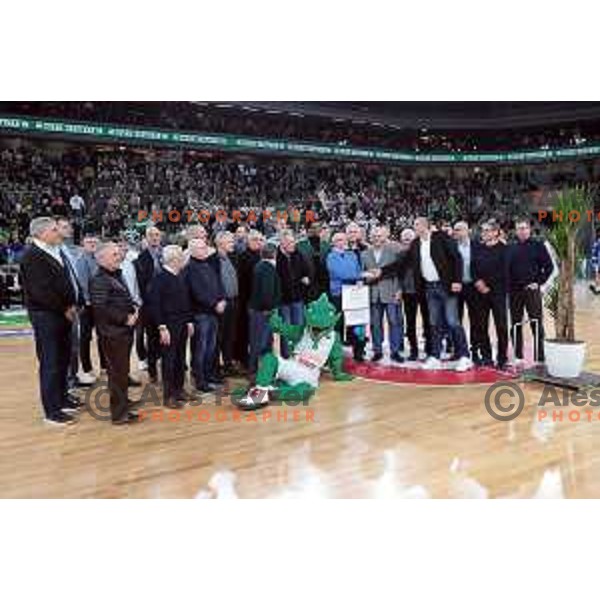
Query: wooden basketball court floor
[(362, 440)]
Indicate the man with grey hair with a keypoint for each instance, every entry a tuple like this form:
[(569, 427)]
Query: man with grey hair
[(115, 314), (384, 298), (169, 305), (50, 298)]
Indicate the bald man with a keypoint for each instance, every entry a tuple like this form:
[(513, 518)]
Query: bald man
[(147, 266)]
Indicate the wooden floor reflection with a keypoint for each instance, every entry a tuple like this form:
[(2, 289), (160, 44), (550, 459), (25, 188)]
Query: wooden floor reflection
[(366, 441)]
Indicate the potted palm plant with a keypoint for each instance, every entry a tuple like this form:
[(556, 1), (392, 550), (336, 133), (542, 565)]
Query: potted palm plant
[(565, 355)]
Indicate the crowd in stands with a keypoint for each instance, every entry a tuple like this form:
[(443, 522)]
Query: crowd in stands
[(103, 187), (209, 118)]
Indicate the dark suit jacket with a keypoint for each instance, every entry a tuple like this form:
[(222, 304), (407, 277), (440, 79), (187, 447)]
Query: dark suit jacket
[(445, 256), (45, 282), (111, 303), (144, 269)]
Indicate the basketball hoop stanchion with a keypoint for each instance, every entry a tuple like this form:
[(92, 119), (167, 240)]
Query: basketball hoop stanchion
[(535, 325)]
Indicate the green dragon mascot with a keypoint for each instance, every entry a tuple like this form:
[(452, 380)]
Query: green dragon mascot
[(312, 346)]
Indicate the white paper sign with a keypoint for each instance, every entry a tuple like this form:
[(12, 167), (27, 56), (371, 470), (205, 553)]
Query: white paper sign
[(355, 297)]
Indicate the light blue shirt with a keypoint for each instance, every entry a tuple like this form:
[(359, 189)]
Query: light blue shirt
[(465, 251)]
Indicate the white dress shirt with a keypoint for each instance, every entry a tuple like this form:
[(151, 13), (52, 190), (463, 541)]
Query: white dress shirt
[(53, 251), (428, 270)]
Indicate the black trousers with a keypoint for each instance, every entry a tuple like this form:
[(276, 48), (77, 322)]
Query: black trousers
[(152, 344), (494, 303), (140, 345), (242, 324), (412, 304), (227, 333), (173, 362), (116, 351), (86, 326), (530, 301), (52, 333), (470, 297)]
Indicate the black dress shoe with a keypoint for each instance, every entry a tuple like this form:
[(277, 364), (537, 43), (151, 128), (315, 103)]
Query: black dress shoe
[(216, 380), (60, 419), (71, 405), (376, 357), (207, 388), (134, 405), (133, 383), (129, 419), (397, 357), (174, 404), (413, 356)]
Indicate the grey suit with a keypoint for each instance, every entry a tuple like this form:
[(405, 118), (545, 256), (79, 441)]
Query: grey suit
[(385, 290), (383, 300)]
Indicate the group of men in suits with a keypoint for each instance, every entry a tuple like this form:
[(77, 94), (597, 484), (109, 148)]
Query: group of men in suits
[(449, 270), (218, 300)]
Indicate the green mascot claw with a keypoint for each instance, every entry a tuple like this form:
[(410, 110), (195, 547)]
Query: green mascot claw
[(312, 346)]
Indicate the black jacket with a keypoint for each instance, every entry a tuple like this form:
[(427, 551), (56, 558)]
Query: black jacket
[(490, 264), (291, 269), (144, 269), (111, 303), (245, 263), (45, 282), (445, 257), (169, 299), (266, 287), (528, 262), (203, 281)]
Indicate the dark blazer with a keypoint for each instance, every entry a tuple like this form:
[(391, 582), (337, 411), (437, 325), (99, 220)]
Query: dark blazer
[(445, 256), (45, 282), (111, 303), (144, 269), (291, 269), (245, 263)]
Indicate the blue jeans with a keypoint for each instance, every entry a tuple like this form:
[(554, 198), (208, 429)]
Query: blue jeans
[(205, 345), (396, 324), (260, 337), (52, 332), (443, 310), (292, 314)]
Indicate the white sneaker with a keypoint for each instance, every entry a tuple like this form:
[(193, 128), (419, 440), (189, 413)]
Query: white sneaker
[(432, 364), (257, 398), (464, 363), (87, 378), (142, 365)]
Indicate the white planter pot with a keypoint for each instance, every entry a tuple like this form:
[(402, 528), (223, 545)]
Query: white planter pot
[(564, 360)]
